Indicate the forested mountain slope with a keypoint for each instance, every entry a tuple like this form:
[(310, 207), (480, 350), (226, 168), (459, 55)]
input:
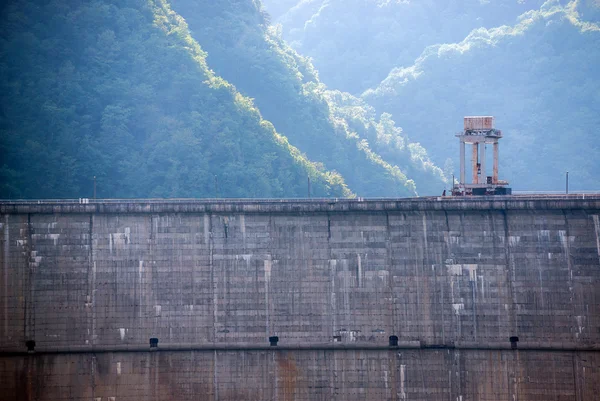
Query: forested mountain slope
[(332, 128), (534, 66), (539, 77), (121, 91)]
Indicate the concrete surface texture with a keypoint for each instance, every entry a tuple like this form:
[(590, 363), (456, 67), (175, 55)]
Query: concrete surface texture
[(454, 279)]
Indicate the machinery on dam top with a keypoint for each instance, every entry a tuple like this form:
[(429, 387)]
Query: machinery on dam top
[(480, 131)]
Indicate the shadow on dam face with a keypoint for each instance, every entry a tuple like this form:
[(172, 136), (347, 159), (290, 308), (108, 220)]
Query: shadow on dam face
[(490, 298)]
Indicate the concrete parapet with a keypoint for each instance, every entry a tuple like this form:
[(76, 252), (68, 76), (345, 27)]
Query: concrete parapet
[(526, 202)]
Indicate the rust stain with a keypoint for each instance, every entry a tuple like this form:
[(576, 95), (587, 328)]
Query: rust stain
[(478, 122), (287, 375)]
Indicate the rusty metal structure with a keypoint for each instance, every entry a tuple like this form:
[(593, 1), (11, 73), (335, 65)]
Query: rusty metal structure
[(480, 131)]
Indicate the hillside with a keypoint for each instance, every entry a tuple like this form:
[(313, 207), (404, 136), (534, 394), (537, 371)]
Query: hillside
[(121, 91), (531, 64), (286, 88), (540, 79)]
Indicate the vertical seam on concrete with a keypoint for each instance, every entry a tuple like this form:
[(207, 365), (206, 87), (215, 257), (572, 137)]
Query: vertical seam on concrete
[(332, 297), (418, 277), (450, 355), (392, 370), (154, 283), (494, 245), (212, 276), (576, 386), (510, 272), (91, 302), (391, 274), (473, 284), (443, 273), (421, 359), (30, 302), (267, 278), (25, 286), (193, 295), (567, 246), (450, 254), (461, 380), (596, 220), (215, 376), (155, 365), (516, 375), (5, 263), (153, 269), (93, 368)]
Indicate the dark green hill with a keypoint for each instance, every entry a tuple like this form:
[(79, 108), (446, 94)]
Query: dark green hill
[(119, 90)]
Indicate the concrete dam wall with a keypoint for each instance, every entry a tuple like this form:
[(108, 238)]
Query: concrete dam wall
[(453, 279)]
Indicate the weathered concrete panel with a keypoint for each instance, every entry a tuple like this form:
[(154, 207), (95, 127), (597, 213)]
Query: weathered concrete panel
[(459, 274), (425, 375)]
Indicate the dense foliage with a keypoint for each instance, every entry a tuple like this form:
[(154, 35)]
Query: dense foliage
[(285, 87), (119, 90), (125, 92)]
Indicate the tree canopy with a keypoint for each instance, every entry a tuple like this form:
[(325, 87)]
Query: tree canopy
[(182, 98), (243, 49), (120, 91)]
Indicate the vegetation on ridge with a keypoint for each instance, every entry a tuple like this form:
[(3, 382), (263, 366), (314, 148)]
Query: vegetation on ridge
[(285, 87), (120, 91), (531, 64), (539, 79)]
